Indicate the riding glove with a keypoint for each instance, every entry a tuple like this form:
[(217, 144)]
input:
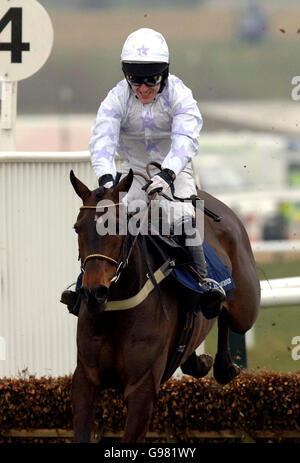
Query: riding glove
[(160, 182), (106, 181)]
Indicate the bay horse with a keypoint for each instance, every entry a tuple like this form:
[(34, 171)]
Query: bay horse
[(128, 350)]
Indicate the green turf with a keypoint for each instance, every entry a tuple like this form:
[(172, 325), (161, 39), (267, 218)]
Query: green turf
[(274, 329)]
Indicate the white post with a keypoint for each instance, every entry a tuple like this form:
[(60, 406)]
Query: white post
[(26, 36), (2, 348), (8, 116)]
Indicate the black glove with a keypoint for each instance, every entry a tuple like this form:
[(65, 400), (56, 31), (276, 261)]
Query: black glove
[(160, 182), (106, 181)]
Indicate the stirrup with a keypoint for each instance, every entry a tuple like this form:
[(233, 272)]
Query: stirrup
[(209, 284)]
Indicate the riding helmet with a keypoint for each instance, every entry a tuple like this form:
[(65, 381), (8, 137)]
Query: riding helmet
[(145, 53)]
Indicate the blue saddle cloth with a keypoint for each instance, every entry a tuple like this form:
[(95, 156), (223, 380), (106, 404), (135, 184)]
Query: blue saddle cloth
[(216, 270)]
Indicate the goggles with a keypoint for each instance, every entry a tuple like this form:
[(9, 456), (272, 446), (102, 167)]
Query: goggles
[(139, 80)]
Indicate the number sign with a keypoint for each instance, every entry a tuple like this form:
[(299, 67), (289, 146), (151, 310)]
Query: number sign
[(26, 38)]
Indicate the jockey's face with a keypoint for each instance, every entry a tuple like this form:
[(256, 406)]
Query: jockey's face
[(145, 93)]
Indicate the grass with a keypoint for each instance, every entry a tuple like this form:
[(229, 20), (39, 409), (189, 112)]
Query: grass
[(274, 329)]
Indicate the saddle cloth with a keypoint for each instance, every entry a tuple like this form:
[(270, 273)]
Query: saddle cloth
[(217, 270)]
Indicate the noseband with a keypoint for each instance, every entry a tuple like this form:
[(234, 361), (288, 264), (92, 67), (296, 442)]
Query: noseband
[(99, 256)]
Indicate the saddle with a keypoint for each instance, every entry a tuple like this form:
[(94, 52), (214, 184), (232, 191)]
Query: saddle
[(170, 250)]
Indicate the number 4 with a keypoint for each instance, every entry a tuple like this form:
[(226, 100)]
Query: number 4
[(16, 46)]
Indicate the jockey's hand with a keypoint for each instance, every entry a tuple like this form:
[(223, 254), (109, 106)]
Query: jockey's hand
[(106, 181), (160, 182)]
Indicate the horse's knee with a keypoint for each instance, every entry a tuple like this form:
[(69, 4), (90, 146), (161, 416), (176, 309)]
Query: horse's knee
[(240, 329), (241, 326), (240, 321), (140, 403)]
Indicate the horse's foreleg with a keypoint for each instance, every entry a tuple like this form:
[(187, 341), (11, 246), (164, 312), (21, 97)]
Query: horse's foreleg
[(197, 365), (224, 369), (84, 396), (140, 400)]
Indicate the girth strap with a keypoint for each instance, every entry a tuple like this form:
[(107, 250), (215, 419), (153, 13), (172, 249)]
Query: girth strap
[(151, 275)]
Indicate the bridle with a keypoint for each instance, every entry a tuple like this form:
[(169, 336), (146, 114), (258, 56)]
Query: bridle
[(122, 261)]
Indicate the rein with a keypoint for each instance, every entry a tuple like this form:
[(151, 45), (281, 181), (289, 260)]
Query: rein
[(107, 205), (120, 264), (123, 262), (192, 198)]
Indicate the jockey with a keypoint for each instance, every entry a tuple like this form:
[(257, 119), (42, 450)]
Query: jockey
[(152, 116)]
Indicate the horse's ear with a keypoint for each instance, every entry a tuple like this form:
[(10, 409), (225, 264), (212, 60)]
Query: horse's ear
[(80, 188), (125, 184)]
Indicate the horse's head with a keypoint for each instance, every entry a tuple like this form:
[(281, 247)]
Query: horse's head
[(100, 252)]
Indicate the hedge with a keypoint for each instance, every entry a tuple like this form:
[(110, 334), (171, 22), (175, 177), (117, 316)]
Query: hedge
[(261, 400)]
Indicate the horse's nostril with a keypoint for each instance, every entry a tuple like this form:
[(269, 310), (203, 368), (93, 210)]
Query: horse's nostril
[(101, 293)]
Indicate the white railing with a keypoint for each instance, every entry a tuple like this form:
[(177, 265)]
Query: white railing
[(275, 247), (280, 291)]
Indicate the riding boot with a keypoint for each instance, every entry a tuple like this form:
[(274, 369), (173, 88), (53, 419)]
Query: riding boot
[(72, 299), (214, 294), (198, 258)]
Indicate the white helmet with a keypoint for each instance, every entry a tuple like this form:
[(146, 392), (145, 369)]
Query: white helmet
[(145, 53), (145, 46)]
